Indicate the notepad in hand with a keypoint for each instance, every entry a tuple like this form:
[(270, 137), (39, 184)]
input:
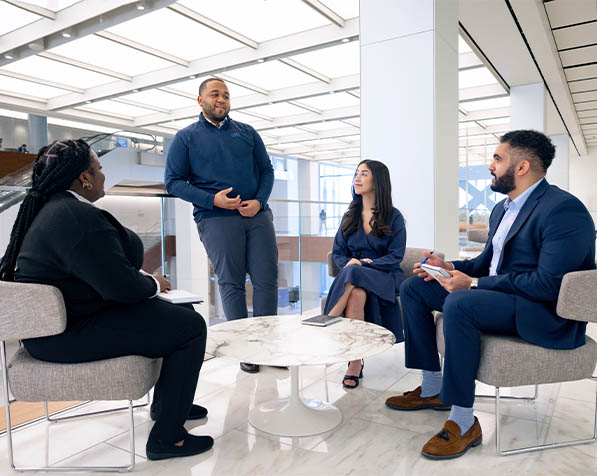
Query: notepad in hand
[(321, 321), (179, 296)]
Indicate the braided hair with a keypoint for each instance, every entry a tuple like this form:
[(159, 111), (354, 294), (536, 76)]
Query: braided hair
[(56, 167)]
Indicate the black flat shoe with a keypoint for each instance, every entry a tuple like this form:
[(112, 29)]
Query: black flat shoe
[(249, 368), (197, 412), (353, 378), (193, 445)]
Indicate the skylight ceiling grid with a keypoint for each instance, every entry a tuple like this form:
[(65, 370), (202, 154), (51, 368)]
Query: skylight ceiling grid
[(14, 18), (271, 75), (155, 97), (260, 20), (27, 88), (172, 33), (54, 5), (334, 61), (50, 70)]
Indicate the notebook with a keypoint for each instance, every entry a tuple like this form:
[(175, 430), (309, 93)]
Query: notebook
[(179, 296), (321, 320)]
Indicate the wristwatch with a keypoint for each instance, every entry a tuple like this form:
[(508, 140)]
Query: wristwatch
[(474, 283)]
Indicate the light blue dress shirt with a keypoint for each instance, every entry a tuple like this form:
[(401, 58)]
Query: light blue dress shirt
[(512, 208)]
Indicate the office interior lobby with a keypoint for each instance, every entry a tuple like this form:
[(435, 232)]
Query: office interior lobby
[(425, 86)]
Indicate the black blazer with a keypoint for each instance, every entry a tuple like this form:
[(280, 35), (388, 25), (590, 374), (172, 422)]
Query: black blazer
[(86, 253), (552, 235)]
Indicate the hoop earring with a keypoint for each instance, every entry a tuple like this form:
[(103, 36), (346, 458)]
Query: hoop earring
[(87, 186)]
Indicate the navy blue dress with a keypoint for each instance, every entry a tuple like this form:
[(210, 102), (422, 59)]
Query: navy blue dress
[(381, 278)]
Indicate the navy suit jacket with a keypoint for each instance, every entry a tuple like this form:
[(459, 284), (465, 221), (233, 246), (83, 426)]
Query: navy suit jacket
[(552, 235)]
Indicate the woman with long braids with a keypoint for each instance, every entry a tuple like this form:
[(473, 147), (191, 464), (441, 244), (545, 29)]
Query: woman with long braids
[(368, 249), (59, 238)]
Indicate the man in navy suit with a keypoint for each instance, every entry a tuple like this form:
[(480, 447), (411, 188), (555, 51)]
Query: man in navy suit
[(536, 235)]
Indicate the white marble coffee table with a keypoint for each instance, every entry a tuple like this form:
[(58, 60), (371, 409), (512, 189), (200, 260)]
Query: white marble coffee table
[(284, 341)]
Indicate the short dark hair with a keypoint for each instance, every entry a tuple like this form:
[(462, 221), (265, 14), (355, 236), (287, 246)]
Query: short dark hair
[(204, 84), (537, 147)]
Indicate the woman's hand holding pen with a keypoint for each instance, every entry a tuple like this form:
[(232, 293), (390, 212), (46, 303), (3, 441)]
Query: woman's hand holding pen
[(432, 260)]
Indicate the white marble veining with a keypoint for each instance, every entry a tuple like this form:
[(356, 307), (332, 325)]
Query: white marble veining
[(283, 340)]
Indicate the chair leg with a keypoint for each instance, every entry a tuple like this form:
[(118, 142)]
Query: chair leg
[(528, 449)]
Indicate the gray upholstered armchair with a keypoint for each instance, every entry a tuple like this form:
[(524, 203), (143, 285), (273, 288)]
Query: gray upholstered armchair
[(35, 310), (512, 362)]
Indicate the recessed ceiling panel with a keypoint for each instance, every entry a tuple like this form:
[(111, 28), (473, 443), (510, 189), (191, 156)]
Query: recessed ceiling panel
[(579, 56), (334, 61), (576, 36), (270, 75), (175, 34), (586, 106), (276, 110), (584, 97), (485, 104), (258, 19), (569, 12), (57, 72), (581, 72), (110, 55), (326, 125), (54, 5), (191, 86), (581, 86)]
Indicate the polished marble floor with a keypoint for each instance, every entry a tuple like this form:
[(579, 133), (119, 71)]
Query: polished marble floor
[(372, 439)]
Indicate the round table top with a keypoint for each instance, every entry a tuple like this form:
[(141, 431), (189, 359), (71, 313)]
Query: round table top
[(284, 341)]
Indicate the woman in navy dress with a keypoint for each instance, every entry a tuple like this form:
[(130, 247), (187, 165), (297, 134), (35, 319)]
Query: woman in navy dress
[(368, 249)]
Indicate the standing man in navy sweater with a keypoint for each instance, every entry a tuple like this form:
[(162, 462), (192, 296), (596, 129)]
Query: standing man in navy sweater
[(222, 168)]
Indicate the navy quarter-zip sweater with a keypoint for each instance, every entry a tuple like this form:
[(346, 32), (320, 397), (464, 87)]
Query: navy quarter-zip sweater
[(203, 160)]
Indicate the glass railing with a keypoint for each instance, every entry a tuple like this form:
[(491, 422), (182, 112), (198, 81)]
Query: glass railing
[(304, 236)]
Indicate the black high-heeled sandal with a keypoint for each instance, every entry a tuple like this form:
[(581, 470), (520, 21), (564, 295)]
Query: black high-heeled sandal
[(353, 378)]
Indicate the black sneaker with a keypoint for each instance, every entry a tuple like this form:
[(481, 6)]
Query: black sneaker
[(249, 368), (193, 445), (197, 412)]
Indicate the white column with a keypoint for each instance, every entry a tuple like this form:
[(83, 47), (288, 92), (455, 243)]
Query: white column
[(559, 171), (527, 107), (192, 265), (38, 132), (409, 111)]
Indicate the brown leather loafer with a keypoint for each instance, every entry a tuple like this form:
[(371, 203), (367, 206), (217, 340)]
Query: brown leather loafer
[(448, 443), (412, 400)]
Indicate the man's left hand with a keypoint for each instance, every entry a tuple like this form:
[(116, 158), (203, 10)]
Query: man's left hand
[(249, 208), (458, 281)]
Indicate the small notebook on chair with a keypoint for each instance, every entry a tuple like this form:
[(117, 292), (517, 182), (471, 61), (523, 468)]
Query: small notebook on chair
[(180, 296), (322, 320)]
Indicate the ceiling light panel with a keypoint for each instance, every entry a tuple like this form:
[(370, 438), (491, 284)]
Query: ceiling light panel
[(54, 5), (276, 110), (475, 77), (331, 101), (181, 124), (240, 116), (270, 75), (191, 86), (326, 126), (168, 31), (113, 107), (58, 72), (14, 18), (268, 19), (157, 98), (281, 132), (345, 8), (463, 46), (334, 61), (13, 114), (110, 55), (485, 104), (28, 88), (575, 36)]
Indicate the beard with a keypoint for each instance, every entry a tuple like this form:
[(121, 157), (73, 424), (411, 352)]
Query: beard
[(212, 115), (505, 183)]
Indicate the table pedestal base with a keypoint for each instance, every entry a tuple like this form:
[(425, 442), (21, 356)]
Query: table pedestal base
[(294, 417)]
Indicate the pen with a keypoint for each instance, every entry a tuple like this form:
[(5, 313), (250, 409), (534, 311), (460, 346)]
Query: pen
[(426, 258)]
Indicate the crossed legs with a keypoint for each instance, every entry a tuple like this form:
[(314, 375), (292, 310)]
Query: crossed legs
[(352, 305)]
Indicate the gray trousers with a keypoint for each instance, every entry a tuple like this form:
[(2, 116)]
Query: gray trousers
[(236, 246)]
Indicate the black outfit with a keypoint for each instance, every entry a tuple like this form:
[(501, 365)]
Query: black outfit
[(94, 261)]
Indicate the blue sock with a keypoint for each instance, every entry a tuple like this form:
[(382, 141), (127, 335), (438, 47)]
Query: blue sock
[(463, 417), (432, 383)]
